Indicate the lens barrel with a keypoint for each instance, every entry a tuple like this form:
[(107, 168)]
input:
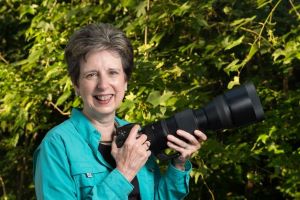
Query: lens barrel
[(237, 107)]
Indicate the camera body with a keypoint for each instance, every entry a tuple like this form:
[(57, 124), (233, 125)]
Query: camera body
[(157, 132), (237, 107)]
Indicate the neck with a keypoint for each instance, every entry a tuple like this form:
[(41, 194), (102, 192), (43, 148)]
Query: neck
[(107, 131), (104, 124)]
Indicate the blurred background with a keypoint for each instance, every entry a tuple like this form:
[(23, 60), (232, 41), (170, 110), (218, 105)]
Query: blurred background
[(186, 53)]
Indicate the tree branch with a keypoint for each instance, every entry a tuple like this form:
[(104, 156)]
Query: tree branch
[(3, 59), (3, 187), (294, 8), (265, 22), (57, 108)]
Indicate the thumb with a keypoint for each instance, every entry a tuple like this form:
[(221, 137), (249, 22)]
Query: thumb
[(114, 145)]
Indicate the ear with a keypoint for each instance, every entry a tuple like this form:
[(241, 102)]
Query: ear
[(76, 88), (125, 86)]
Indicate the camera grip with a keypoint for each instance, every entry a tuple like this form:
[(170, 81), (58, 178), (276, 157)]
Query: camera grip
[(122, 134)]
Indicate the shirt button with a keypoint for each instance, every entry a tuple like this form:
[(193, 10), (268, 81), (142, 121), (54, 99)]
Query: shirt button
[(89, 175)]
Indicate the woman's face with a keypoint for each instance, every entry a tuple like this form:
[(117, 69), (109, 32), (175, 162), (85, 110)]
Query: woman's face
[(102, 83)]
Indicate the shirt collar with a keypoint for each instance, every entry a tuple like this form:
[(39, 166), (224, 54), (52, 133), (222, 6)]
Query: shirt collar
[(91, 135), (86, 129), (83, 125)]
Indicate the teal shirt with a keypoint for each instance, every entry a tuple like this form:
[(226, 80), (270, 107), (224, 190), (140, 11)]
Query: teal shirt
[(68, 165)]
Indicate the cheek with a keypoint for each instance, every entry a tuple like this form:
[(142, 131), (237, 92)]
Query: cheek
[(121, 88), (120, 85), (121, 92), (86, 89)]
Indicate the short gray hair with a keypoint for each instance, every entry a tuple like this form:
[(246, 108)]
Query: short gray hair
[(97, 37)]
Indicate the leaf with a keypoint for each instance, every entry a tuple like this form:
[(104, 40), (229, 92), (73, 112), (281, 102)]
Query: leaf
[(141, 8), (227, 10), (163, 110), (63, 97), (235, 43), (29, 127), (145, 47), (127, 105), (28, 105), (156, 39), (232, 67), (159, 65), (275, 148), (76, 102), (182, 9), (272, 130), (262, 3), (197, 175), (154, 98), (263, 138), (11, 142), (51, 73), (176, 71), (251, 53), (165, 97), (240, 22), (236, 81), (131, 96), (288, 54), (25, 9)]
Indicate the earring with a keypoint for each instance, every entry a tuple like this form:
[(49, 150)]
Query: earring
[(77, 93)]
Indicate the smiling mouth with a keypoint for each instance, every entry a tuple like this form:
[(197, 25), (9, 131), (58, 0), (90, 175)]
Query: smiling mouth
[(103, 98)]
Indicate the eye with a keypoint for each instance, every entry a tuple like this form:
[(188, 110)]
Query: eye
[(113, 72), (91, 75)]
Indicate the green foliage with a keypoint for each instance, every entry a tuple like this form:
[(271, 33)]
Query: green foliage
[(186, 52)]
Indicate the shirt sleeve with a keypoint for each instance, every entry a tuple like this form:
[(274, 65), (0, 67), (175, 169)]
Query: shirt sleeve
[(115, 186), (174, 184), (53, 179), (52, 172)]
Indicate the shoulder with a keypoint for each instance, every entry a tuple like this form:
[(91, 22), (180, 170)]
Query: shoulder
[(61, 131), (54, 142), (61, 143), (58, 137)]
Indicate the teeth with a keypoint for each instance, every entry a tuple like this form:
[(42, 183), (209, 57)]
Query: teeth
[(103, 97)]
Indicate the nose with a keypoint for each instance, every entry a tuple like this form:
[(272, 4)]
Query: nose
[(102, 82)]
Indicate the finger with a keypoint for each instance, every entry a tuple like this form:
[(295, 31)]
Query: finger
[(177, 141), (200, 135), (142, 139), (188, 136), (133, 133), (147, 154), (175, 147), (114, 145), (147, 145)]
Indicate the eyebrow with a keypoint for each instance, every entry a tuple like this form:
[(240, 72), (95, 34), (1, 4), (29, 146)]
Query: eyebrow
[(110, 68), (89, 71), (115, 68)]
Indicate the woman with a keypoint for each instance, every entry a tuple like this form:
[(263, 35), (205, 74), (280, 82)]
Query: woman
[(79, 159)]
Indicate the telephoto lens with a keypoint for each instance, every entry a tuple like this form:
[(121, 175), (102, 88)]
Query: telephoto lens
[(237, 107)]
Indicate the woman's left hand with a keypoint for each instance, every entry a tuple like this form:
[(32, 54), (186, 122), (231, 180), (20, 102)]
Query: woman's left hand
[(185, 148)]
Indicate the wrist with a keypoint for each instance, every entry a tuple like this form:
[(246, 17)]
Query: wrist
[(126, 173), (178, 164)]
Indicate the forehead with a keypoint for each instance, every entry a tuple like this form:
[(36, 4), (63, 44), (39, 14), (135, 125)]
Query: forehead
[(101, 59)]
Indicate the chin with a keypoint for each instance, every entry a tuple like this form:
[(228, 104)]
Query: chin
[(105, 111)]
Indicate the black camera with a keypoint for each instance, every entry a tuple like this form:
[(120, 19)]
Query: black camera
[(237, 107)]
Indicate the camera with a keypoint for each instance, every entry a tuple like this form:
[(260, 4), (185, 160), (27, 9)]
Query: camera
[(237, 107)]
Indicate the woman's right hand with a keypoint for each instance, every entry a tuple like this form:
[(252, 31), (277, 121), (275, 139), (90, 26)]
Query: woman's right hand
[(133, 154)]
